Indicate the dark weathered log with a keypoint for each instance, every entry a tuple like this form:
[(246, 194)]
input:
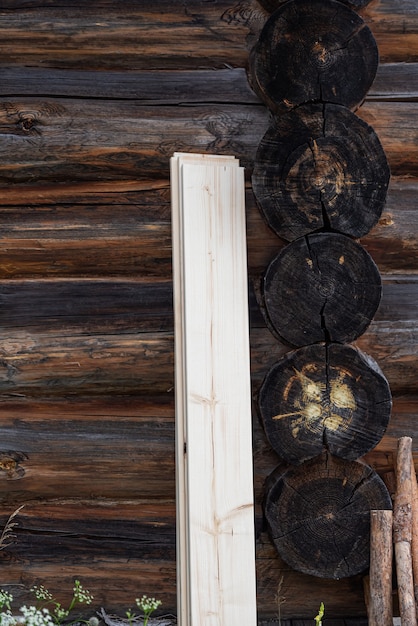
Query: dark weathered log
[(60, 140), (381, 552), (51, 363), (68, 140), (123, 229), (320, 167), (394, 81), (402, 532), (313, 50), (324, 397), (319, 515), (323, 287), (227, 86), (159, 35), (112, 447), (85, 306), (106, 34)]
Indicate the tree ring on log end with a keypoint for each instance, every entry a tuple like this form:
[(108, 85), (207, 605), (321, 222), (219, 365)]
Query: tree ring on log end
[(320, 167), (324, 396), (319, 515), (322, 287), (313, 51)]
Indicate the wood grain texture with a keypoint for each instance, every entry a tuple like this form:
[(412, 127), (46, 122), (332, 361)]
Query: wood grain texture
[(214, 448), (322, 287), (68, 140), (380, 610), (109, 35), (324, 397), (229, 85), (318, 515), (310, 51), (95, 98), (320, 167), (49, 448), (124, 229)]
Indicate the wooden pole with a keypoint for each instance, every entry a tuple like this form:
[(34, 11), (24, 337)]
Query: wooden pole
[(414, 544), (379, 598), (402, 532)]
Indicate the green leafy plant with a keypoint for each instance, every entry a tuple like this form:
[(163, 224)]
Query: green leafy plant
[(318, 618)]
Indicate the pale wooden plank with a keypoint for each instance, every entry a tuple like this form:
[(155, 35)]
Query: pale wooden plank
[(215, 486)]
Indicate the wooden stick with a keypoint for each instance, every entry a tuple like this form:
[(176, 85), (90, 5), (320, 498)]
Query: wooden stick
[(379, 597), (402, 532), (414, 543)]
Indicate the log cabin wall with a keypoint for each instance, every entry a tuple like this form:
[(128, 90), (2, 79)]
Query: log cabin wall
[(94, 99)]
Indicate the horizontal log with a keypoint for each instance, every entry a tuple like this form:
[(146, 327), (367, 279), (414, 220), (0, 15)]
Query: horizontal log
[(90, 231), (64, 140), (86, 306), (157, 36), (80, 344), (134, 36), (52, 363), (102, 448), (83, 306), (85, 231), (394, 81), (114, 584), (393, 22), (227, 85)]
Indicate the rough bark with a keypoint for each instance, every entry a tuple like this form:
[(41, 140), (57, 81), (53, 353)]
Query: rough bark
[(381, 552), (402, 532)]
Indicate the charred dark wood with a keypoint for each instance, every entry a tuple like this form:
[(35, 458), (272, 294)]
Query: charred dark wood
[(319, 515), (315, 50), (320, 167), (323, 287), (320, 397)]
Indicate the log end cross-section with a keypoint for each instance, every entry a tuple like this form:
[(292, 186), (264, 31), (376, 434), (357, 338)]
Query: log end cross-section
[(313, 51), (320, 167), (319, 515), (324, 397), (323, 287)]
